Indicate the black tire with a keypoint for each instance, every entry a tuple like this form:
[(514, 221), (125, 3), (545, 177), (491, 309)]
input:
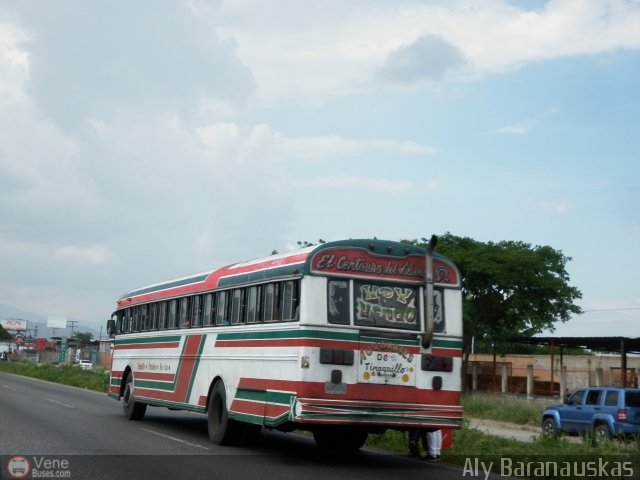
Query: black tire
[(222, 429), (132, 410), (342, 439), (600, 433), (549, 428)]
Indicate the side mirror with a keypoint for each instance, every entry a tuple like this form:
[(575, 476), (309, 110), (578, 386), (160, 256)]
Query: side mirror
[(111, 327)]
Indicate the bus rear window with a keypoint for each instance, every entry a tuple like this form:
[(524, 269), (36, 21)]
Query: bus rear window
[(378, 305)]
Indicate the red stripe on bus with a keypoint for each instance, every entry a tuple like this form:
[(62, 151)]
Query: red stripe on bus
[(358, 391), (250, 408), (183, 375), (447, 352), (164, 377)]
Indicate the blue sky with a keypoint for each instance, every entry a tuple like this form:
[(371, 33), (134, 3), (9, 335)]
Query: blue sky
[(143, 142)]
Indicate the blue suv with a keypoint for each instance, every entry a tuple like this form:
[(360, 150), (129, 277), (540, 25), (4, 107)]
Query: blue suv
[(605, 412)]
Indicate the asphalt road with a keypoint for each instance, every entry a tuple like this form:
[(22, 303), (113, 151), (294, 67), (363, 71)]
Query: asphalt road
[(69, 432)]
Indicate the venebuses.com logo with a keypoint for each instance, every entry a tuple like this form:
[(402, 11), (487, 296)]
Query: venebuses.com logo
[(18, 467)]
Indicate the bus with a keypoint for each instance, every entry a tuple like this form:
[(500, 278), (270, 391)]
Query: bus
[(342, 339)]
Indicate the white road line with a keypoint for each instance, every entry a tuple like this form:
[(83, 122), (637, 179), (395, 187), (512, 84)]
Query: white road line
[(59, 403), (9, 388), (174, 439)]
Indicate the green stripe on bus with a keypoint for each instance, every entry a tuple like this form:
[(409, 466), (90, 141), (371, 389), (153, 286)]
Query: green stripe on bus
[(155, 385), (165, 403), (408, 342), (132, 341), (287, 334), (259, 275), (279, 398), (167, 285), (440, 343)]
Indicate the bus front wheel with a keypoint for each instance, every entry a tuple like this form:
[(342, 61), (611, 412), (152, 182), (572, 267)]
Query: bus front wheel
[(222, 429), (132, 410)]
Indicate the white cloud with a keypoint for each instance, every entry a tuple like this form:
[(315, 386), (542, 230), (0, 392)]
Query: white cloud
[(517, 129), (336, 47), (273, 145), (560, 207), (90, 255), (432, 184), (360, 183)]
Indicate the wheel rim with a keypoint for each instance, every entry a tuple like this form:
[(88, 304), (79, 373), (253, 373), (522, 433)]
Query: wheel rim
[(126, 398), (600, 434), (549, 429)]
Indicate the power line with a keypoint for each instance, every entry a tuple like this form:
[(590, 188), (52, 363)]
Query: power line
[(611, 309)]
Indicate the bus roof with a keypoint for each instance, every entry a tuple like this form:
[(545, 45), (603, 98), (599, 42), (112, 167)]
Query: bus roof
[(372, 259)]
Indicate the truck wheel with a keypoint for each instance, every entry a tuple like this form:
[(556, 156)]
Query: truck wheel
[(549, 428), (222, 429), (600, 433), (132, 410)]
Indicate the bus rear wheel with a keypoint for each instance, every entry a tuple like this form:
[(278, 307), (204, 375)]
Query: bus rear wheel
[(340, 438), (222, 429), (132, 410)]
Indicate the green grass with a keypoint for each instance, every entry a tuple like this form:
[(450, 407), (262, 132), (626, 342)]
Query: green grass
[(96, 379), (502, 408)]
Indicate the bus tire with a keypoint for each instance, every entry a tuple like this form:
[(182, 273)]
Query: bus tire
[(132, 410), (222, 429), (340, 438)]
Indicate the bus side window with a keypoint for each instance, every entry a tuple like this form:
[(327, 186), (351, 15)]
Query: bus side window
[(209, 312), (144, 318), (222, 314), (136, 319), (267, 302), (127, 321), (196, 311), (237, 306), (289, 300), (172, 316), (153, 316), (119, 322), (253, 304), (185, 312), (162, 315)]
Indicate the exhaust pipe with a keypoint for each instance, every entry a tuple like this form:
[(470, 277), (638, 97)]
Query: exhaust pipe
[(428, 301)]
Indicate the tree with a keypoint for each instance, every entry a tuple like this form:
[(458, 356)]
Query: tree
[(83, 338), (509, 288), (4, 335)]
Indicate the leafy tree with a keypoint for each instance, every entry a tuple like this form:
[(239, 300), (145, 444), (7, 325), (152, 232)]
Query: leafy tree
[(83, 338), (4, 335), (509, 289)]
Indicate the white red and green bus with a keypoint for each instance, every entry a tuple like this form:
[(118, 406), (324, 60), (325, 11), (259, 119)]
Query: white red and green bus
[(341, 339)]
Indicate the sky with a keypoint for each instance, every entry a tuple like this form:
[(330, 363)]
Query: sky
[(141, 141)]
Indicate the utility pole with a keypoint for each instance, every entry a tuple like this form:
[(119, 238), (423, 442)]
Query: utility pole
[(73, 325)]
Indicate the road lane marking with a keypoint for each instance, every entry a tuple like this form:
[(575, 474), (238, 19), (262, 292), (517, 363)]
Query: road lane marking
[(59, 403), (175, 439), (9, 388)]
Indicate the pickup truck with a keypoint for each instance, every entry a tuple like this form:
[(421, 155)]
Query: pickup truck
[(603, 412)]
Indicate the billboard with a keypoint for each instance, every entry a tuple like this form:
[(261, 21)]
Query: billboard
[(57, 322), (13, 324)]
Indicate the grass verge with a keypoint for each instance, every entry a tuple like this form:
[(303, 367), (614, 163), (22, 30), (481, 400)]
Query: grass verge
[(96, 379)]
